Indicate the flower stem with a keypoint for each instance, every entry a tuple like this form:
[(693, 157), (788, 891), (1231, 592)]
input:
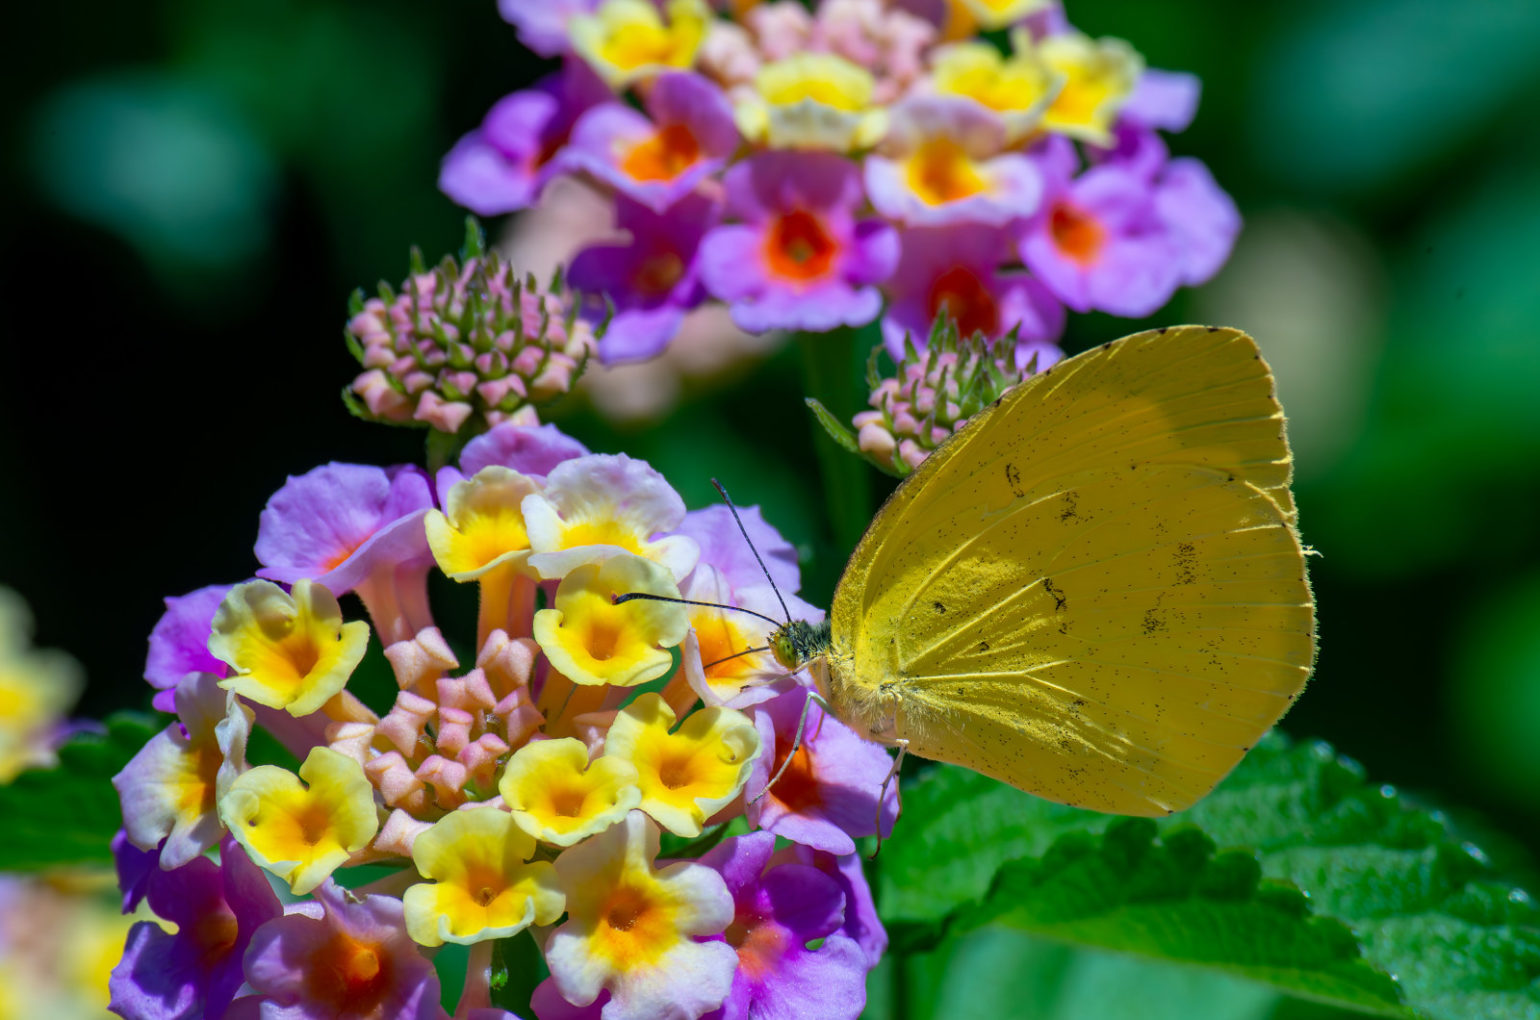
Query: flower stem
[(832, 371)]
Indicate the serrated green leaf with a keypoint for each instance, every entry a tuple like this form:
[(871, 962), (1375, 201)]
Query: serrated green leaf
[(66, 816), (832, 425), (1296, 872)]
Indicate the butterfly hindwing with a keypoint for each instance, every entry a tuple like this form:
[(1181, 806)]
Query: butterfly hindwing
[(1095, 591)]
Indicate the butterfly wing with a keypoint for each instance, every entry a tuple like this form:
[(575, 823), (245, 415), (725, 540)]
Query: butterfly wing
[(1095, 591)]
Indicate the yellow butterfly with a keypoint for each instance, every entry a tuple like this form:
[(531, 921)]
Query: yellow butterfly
[(1094, 591)]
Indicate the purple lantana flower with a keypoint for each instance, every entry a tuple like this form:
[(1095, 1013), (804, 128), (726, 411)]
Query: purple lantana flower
[(800, 259), (352, 527), (1196, 211), (723, 546), (528, 449), (1099, 243), (861, 922), (650, 282), (342, 957), (179, 644), (542, 24), (335, 523), (197, 971), (944, 162), (686, 136), (502, 165), (1163, 99), (777, 912), (957, 270), (828, 794)]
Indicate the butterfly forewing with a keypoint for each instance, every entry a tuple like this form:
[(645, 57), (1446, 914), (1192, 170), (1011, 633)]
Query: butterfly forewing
[(1095, 591)]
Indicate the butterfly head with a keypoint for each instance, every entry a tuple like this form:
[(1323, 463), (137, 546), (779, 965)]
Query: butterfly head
[(797, 643)]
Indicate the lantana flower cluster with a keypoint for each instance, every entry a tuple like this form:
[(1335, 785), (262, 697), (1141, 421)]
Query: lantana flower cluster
[(591, 774), (37, 687), (832, 165), (466, 345)]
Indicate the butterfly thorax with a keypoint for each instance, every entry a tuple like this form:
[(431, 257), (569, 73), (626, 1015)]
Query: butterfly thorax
[(801, 645)]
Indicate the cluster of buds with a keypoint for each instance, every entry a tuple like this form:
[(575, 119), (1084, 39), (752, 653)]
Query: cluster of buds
[(464, 346), (934, 390), (589, 737)]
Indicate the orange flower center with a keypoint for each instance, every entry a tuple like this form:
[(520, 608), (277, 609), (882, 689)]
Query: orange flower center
[(670, 151), (1075, 233), (964, 297), (799, 248), (797, 788), (760, 946), (657, 274), (349, 972)]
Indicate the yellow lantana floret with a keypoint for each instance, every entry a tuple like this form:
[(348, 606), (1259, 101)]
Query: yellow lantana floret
[(812, 101), (992, 14), (482, 525), (288, 650), (591, 640), (1099, 75), (302, 832), (629, 39), (634, 930), (484, 885), (36, 689), (557, 797), (1018, 87), (689, 775)]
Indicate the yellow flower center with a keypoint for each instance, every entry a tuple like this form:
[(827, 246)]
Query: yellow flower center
[(941, 171)]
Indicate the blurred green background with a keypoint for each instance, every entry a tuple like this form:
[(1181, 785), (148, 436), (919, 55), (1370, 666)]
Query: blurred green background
[(193, 189)]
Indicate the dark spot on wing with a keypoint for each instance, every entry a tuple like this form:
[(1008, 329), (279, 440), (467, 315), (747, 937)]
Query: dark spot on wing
[(983, 646), (938, 607), (1153, 621), (1213, 329), (1161, 331), (1186, 563), (1059, 601), (1071, 501), (1013, 479)]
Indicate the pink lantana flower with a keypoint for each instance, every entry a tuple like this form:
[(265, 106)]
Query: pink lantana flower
[(503, 164), (779, 909), (828, 794), (800, 259), (656, 159), (354, 527), (958, 270), (342, 957)]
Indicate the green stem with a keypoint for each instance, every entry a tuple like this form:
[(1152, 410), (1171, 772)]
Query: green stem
[(832, 372)]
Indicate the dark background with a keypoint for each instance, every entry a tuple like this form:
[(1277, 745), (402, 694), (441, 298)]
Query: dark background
[(193, 188)]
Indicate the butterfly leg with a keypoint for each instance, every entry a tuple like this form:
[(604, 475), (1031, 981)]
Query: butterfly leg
[(882, 791), (813, 697)]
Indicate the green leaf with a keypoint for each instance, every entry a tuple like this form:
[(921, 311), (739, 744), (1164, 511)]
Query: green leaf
[(1296, 873), (832, 425), (66, 816)]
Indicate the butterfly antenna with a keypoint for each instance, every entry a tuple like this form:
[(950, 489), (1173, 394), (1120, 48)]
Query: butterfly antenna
[(650, 597), (735, 655), (757, 558)]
